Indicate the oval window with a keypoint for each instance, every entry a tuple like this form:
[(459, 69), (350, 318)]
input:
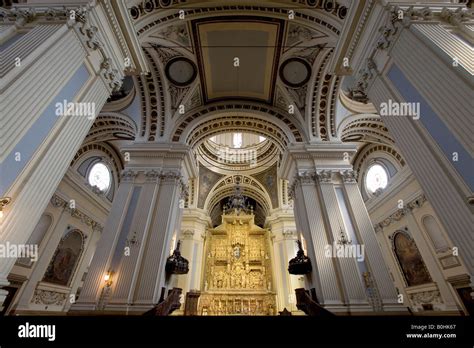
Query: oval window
[(99, 176), (376, 178)]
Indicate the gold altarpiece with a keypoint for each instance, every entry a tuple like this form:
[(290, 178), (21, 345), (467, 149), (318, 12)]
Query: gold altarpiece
[(237, 278)]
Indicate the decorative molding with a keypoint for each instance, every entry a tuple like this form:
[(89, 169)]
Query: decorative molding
[(290, 234), (187, 234), (324, 176), (128, 175), (59, 202), (47, 297), (306, 178), (152, 176), (425, 297), (302, 178), (232, 9), (349, 176), (400, 213)]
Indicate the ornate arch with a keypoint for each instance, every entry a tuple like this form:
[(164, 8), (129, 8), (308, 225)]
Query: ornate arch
[(386, 151), (111, 126), (238, 116), (152, 14), (366, 128), (250, 187)]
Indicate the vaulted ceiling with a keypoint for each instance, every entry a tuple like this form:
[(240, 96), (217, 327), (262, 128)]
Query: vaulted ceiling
[(257, 67)]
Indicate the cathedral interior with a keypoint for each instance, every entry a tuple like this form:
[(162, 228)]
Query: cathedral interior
[(251, 158)]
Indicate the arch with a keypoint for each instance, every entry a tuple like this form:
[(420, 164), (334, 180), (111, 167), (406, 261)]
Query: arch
[(149, 17), (91, 153), (111, 126), (386, 155), (239, 117), (66, 258), (365, 127), (435, 233), (409, 259), (248, 160), (250, 187)]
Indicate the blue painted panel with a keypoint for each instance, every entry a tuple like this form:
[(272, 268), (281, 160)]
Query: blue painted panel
[(11, 41), (441, 134), (134, 111), (127, 223), (38, 132)]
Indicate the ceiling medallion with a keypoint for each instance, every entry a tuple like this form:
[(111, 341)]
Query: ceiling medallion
[(295, 72), (181, 71)]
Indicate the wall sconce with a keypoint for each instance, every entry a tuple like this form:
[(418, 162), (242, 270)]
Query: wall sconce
[(4, 201), (108, 278)]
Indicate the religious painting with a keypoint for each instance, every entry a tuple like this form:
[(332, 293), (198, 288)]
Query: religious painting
[(65, 259), (410, 260)]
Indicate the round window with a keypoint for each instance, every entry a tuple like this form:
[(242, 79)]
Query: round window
[(100, 176), (376, 178)]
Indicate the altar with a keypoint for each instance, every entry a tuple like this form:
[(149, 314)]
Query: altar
[(237, 277)]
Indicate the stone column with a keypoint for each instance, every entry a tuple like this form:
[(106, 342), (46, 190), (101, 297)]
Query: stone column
[(310, 221), (193, 231), (423, 59), (284, 236), (366, 236), (137, 237), (351, 269), (328, 212), (62, 62)]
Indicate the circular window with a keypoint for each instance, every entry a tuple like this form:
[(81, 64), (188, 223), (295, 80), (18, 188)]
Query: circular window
[(99, 176), (376, 178), (295, 72), (181, 71)]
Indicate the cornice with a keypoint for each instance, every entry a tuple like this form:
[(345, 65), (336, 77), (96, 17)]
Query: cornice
[(59, 202), (401, 213)]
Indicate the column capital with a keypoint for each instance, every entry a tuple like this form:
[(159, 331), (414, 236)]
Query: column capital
[(324, 176), (290, 234), (187, 234), (152, 176), (128, 175), (349, 176)]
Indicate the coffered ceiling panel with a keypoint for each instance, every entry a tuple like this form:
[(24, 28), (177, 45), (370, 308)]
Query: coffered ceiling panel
[(255, 42)]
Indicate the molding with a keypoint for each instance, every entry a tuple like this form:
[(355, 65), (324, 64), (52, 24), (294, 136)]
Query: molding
[(400, 213), (59, 202), (349, 176)]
